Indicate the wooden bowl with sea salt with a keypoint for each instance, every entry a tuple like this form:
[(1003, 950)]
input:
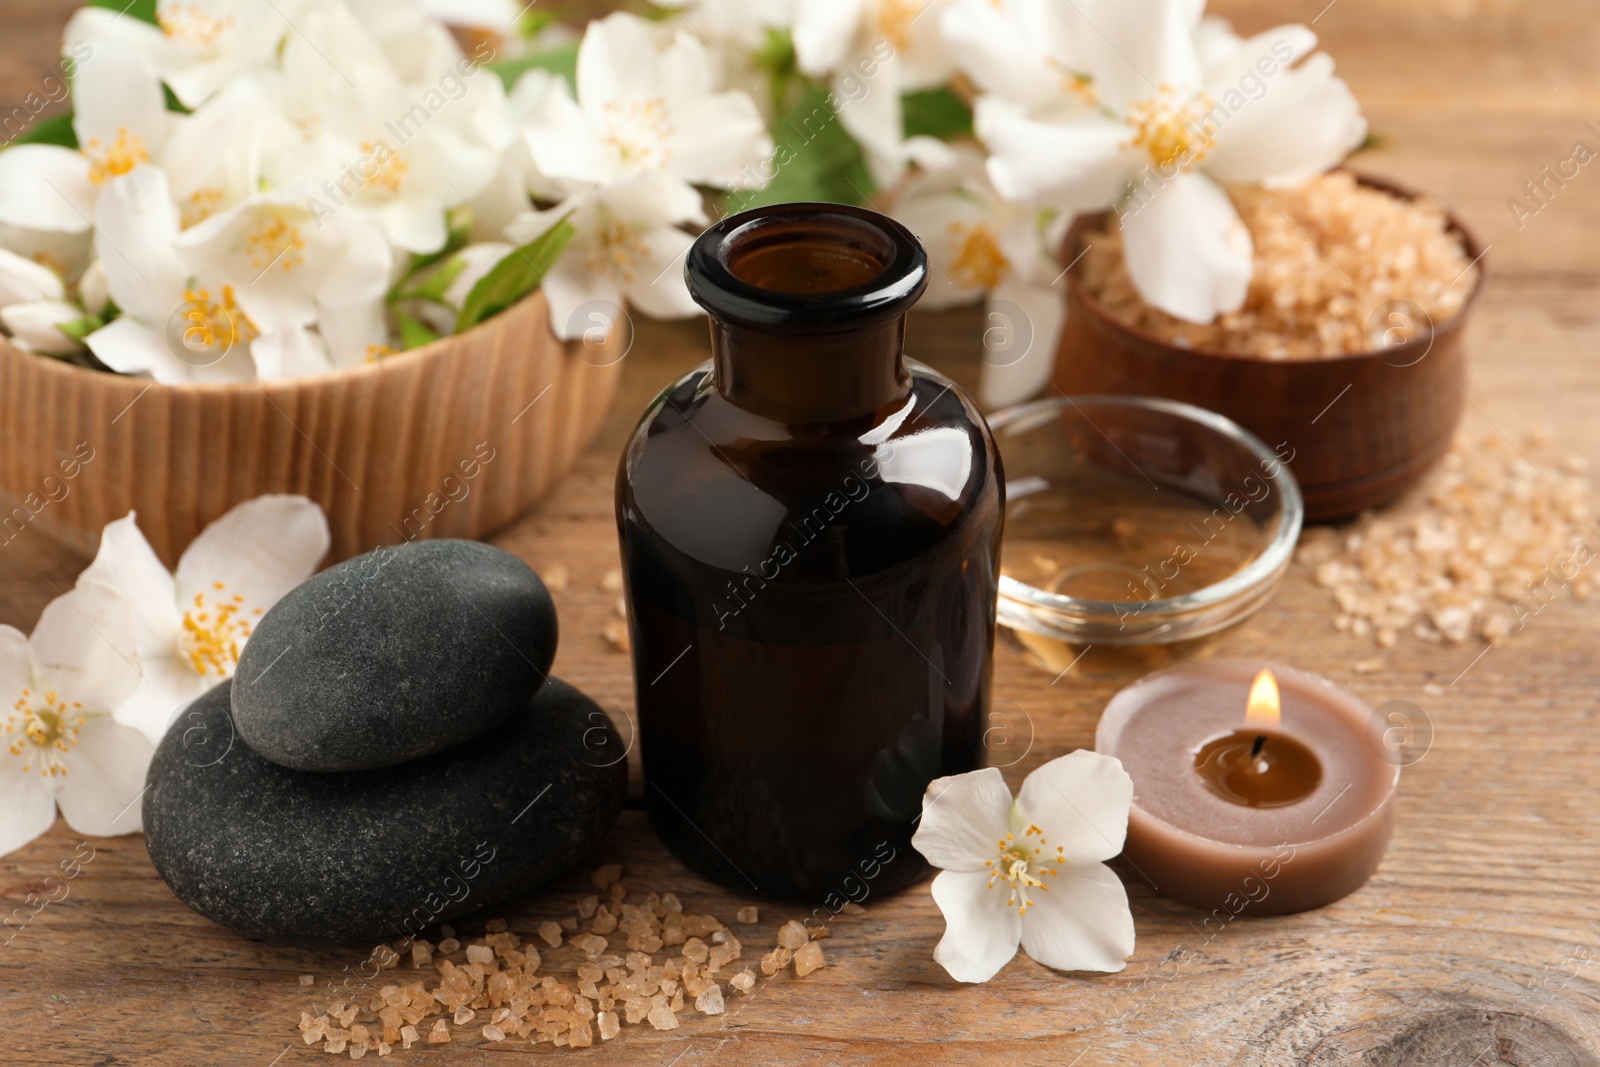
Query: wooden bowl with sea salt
[(453, 439), (1346, 358)]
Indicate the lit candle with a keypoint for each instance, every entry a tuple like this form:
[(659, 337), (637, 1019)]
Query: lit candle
[(1254, 790)]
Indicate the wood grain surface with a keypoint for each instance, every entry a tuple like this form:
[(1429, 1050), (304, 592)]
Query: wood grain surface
[(1476, 942)]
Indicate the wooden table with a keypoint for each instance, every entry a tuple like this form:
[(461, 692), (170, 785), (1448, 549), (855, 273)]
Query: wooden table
[(1474, 944)]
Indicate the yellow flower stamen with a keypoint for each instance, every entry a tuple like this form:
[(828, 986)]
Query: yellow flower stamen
[(1024, 865), (210, 326), (382, 166), (1174, 132), (43, 728), (212, 632), (119, 157), (276, 243), (191, 25), (893, 21), (617, 250), (200, 205), (980, 263), (639, 130)]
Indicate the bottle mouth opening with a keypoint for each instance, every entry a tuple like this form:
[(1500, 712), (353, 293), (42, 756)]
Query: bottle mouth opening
[(806, 267)]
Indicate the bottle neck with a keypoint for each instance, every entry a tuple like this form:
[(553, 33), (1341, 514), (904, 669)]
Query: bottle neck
[(809, 378)]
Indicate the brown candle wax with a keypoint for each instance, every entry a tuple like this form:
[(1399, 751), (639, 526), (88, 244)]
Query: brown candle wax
[(1225, 825)]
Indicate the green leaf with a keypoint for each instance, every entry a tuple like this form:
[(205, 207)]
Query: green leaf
[(434, 285), (144, 10), (57, 130), (173, 103), (78, 329), (563, 61), (776, 59), (936, 113), (515, 276), (813, 159), (413, 334)]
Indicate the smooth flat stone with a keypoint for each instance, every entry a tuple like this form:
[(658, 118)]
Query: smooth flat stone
[(380, 854), (393, 655)]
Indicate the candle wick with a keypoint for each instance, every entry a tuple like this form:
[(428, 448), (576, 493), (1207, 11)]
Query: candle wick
[(1261, 742)]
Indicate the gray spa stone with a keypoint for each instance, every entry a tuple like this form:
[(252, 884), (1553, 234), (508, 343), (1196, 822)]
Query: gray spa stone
[(378, 855), (393, 655)]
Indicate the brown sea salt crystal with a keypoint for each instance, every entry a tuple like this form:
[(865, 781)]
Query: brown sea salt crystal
[(744, 981), (1326, 256), (550, 933), (591, 945), (449, 946), (421, 953), (710, 1002), (308, 979), (606, 876), (409, 1036), (1492, 537), (776, 960), (852, 908), (604, 921), (792, 934), (662, 1018), (587, 906), (747, 914), (480, 954), (808, 958), (493, 1033), (610, 1027), (696, 950), (440, 1034)]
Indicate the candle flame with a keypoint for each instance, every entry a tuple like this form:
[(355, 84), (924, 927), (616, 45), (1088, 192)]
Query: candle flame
[(1262, 707)]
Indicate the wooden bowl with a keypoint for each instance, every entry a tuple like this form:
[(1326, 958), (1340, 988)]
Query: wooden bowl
[(454, 439), (1362, 428)]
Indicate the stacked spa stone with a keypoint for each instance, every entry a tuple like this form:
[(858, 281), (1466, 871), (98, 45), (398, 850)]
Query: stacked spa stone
[(390, 754)]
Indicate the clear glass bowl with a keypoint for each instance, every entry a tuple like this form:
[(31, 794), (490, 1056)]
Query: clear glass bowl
[(1138, 521)]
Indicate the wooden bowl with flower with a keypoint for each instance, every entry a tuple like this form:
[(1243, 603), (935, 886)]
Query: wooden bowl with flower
[(1346, 356), (453, 439)]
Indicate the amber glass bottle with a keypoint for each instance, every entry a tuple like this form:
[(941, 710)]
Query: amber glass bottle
[(811, 530)]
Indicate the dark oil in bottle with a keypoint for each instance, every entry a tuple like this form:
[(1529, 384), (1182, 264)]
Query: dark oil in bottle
[(810, 528)]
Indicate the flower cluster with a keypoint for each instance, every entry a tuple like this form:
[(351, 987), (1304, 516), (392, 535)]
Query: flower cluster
[(1141, 106), (112, 661), (261, 188), (254, 188)]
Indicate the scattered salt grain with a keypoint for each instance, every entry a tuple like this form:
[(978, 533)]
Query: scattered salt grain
[(710, 1002), (808, 959), (792, 934)]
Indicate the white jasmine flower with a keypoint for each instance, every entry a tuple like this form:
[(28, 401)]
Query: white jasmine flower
[(1169, 126), (197, 46), (23, 281), (285, 265), (627, 247), (1030, 52), (981, 245), (518, 177), (1030, 871), (121, 121), (37, 326), (33, 306), (63, 748), (169, 329), (873, 51), (92, 291), (190, 626), (647, 103)]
